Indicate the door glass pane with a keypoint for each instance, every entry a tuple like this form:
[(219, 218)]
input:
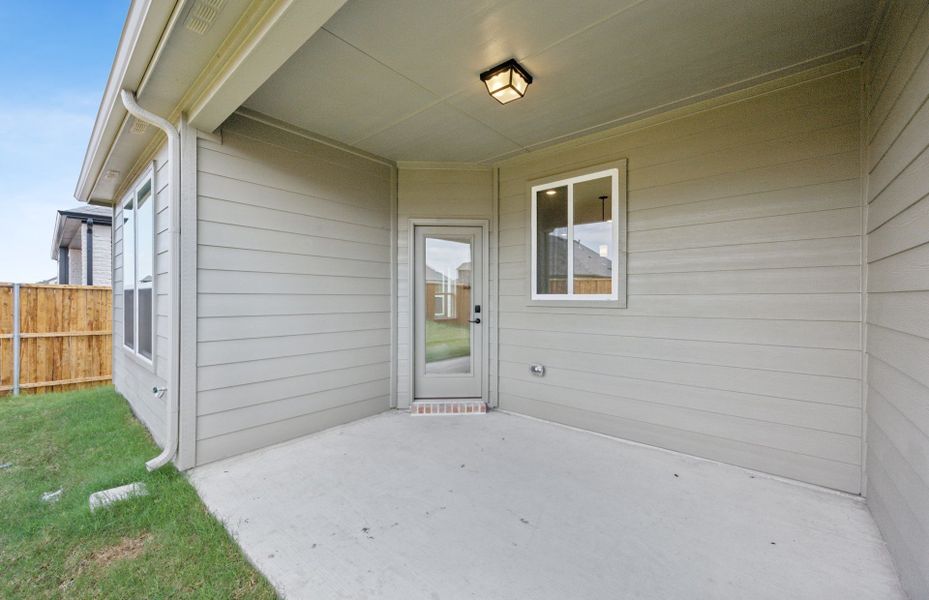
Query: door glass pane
[(552, 241), (448, 304), (593, 237)]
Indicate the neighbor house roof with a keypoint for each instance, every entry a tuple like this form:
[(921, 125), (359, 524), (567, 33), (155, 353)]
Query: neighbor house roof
[(587, 262), (68, 221), (100, 214), (433, 276)]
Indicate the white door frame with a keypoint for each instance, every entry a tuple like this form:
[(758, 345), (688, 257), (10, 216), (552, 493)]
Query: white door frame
[(484, 224)]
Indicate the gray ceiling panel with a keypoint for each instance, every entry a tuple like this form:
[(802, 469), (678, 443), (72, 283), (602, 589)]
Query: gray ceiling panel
[(400, 78)]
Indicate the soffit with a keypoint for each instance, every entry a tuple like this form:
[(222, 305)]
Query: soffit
[(182, 55), (400, 79)]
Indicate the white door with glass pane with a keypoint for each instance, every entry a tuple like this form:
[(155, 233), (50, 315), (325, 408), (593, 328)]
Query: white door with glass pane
[(449, 312)]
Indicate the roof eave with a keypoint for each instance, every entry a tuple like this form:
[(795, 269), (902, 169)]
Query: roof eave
[(83, 217), (56, 235), (144, 27), (258, 43)]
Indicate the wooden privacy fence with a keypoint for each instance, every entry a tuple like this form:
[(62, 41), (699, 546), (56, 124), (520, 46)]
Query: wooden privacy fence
[(60, 341), (582, 285)]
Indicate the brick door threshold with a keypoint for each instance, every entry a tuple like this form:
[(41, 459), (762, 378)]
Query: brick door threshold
[(448, 407)]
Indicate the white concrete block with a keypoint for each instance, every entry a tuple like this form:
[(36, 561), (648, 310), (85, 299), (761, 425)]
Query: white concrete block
[(52, 496), (106, 497)]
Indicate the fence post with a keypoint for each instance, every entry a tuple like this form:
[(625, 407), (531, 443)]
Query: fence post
[(16, 339)]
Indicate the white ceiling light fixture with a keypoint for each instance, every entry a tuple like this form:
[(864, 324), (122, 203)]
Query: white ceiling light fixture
[(507, 81)]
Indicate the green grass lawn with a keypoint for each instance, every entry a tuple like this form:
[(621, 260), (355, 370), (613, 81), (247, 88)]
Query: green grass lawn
[(446, 340), (162, 546)]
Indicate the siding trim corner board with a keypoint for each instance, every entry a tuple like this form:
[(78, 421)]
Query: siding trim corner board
[(896, 82)]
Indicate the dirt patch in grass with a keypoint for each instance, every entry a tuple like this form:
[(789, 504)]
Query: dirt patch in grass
[(127, 548)]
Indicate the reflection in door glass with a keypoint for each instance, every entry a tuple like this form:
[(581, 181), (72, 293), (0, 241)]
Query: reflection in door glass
[(448, 305)]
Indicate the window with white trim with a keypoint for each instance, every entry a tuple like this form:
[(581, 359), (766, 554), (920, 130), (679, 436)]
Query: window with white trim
[(578, 237), (138, 260)]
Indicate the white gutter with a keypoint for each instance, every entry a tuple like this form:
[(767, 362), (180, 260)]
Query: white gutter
[(174, 244)]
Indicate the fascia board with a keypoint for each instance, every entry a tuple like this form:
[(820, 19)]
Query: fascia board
[(144, 27)]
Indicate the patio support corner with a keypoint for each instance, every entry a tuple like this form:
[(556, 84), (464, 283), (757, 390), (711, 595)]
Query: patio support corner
[(89, 253), (64, 272)]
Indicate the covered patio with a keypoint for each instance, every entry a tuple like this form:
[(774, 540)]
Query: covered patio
[(504, 506), (703, 229)]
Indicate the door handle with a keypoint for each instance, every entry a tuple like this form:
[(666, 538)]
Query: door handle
[(476, 321)]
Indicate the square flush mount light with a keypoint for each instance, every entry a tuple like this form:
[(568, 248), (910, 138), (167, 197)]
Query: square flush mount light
[(507, 81)]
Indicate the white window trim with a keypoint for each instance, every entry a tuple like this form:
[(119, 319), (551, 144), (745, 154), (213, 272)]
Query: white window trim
[(145, 177), (439, 314), (617, 299)]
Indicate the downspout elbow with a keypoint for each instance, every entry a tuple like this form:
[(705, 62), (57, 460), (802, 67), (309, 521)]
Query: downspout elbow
[(172, 402)]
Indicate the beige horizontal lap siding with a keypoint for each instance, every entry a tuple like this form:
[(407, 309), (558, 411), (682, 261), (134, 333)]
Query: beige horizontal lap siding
[(293, 288), (742, 337), (440, 192), (897, 76), (133, 377)]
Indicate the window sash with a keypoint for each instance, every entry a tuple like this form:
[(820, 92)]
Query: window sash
[(570, 182), (145, 273), (133, 275), (128, 273)]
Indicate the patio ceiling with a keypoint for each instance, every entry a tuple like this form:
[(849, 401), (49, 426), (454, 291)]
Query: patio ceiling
[(400, 79)]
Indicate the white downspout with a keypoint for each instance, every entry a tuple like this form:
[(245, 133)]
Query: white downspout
[(173, 381)]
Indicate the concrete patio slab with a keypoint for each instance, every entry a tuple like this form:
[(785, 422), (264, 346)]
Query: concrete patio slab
[(509, 507)]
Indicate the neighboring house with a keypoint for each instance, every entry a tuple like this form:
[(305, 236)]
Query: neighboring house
[(464, 273), (443, 294), (754, 172), (590, 270), (82, 245)]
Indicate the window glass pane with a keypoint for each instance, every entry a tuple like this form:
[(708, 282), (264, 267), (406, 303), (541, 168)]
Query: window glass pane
[(552, 241), (128, 260), (593, 237), (145, 224), (448, 283)]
